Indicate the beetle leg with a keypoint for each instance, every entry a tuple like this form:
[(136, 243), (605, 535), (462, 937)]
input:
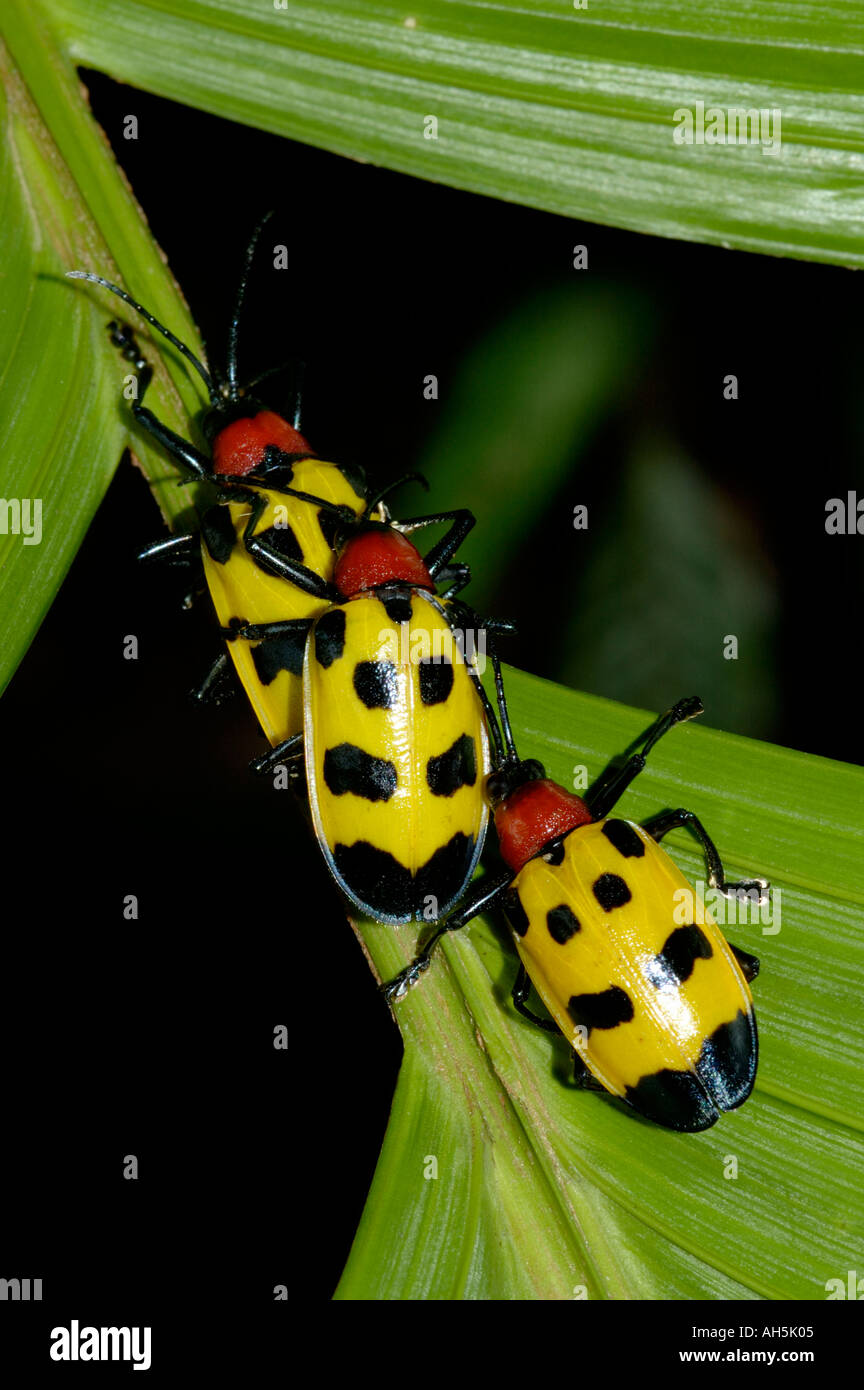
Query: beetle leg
[(484, 894), (216, 685), (182, 550), (754, 889), (266, 632), (583, 1078), (749, 964), (452, 579), (519, 993), (612, 786), (286, 751), (180, 449), (442, 550), (269, 559)]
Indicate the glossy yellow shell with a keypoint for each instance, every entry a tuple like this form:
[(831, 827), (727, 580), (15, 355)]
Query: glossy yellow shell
[(396, 754), (242, 589), (636, 973)]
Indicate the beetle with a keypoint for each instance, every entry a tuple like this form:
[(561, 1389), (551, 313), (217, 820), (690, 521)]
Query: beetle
[(254, 529), (395, 743), (658, 1011)]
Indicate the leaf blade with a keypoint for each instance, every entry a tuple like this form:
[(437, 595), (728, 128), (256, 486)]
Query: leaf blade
[(651, 1213), (568, 111)]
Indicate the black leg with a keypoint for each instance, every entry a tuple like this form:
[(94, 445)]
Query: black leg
[(602, 798), (581, 1075), (452, 579), (498, 625), (217, 685), (749, 964), (755, 889), (462, 613), (180, 449), (484, 895), (123, 338), (183, 550), (583, 1078), (443, 550), (285, 751), (272, 562), (192, 595), (520, 992), (263, 632)]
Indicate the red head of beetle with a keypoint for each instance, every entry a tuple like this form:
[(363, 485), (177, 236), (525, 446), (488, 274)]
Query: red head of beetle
[(530, 810), (239, 447), (379, 554)]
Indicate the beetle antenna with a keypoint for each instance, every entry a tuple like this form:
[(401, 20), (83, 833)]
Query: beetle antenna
[(502, 706), (397, 482), (238, 307), (491, 720), (296, 394), (145, 314), (299, 374), (271, 371)]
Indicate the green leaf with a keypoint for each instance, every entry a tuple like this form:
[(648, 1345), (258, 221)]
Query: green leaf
[(64, 424), (633, 596), (564, 109), (525, 403), (542, 1190), (539, 1191), (539, 103)]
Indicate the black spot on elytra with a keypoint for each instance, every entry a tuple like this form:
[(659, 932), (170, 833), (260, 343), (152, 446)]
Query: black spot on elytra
[(611, 891), (219, 534), (724, 1074), (328, 525), (515, 912), (436, 679), (348, 768), (330, 637), (456, 768), (279, 654), (445, 874), (354, 477), (397, 607), (387, 889), (727, 1063), (380, 882), (283, 540), (278, 466), (605, 1009), (376, 684), (562, 923), (624, 838), (674, 1099), (681, 950)]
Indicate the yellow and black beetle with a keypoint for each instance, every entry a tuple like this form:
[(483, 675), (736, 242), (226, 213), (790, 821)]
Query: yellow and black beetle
[(254, 532), (395, 738), (658, 1014)]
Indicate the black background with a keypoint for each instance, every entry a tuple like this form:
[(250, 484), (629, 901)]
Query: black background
[(154, 1037)]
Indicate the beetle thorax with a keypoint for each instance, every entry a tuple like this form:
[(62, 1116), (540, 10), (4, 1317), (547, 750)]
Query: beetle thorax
[(239, 448), (379, 555), (532, 815)]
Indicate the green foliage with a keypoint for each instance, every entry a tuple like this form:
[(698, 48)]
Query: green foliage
[(539, 1190), (542, 1189), (538, 103)]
